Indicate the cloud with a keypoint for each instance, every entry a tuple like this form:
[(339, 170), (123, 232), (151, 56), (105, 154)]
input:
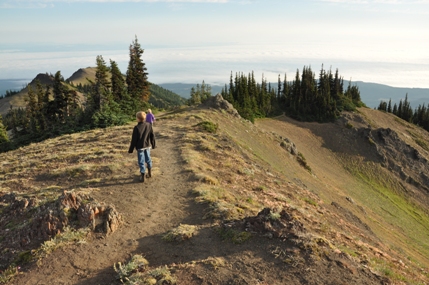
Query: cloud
[(12, 2), (387, 2)]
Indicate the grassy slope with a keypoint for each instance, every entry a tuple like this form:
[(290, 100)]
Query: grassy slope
[(401, 226), (380, 219), (80, 76)]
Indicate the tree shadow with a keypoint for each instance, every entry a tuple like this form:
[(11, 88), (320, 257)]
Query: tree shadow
[(338, 137)]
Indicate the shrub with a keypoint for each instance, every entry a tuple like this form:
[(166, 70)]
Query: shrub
[(208, 126), (301, 159), (182, 232), (137, 263), (237, 237)]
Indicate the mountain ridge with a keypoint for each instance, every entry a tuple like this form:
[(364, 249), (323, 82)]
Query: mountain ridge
[(162, 97), (371, 93), (273, 202)]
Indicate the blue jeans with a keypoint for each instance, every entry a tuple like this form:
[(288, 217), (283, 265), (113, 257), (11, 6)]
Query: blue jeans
[(142, 157)]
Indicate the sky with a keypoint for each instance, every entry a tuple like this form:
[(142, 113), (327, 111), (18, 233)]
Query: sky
[(382, 41)]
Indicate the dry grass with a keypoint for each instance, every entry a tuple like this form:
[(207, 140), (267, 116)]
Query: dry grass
[(215, 262), (67, 237), (88, 157), (180, 233), (136, 264), (234, 156), (42, 172), (136, 271), (8, 274), (240, 170)]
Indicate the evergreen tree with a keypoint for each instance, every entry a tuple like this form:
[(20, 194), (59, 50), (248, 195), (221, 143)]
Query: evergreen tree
[(382, 106), (41, 120), (137, 77), (195, 97), (102, 84), (407, 111), (32, 110), (200, 94), (338, 86), (117, 81), (60, 97), (395, 109), (3, 133), (285, 94), (389, 106), (399, 112)]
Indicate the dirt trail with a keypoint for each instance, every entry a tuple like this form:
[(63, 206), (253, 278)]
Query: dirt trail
[(149, 209)]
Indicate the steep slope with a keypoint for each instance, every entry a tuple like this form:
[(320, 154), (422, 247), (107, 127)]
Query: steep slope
[(371, 166), (278, 202), (80, 76)]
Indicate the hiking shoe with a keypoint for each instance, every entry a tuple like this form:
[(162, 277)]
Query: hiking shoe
[(141, 177), (149, 173)]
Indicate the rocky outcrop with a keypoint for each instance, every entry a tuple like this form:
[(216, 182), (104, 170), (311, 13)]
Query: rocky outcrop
[(271, 224), (217, 102), (25, 223), (405, 161), (289, 146)]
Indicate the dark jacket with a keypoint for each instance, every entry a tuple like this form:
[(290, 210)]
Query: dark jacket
[(143, 137)]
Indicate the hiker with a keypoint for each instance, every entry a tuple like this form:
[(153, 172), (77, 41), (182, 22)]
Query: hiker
[(150, 118), (142, 140)]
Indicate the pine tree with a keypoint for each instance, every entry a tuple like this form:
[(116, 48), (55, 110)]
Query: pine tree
[(382, 106), (205, 92), (102, 84), (60, 97), (285, 94), (3, 133), (400, 109), (117, 81), (195, 96), (407, 111), (395, 109), (137, 80), (389, 106), (32, 110)]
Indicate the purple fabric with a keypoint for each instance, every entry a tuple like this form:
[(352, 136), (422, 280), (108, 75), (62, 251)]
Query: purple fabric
[(150, 118)]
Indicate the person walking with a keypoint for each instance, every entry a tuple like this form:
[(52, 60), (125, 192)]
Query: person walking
[(150, 118), (143, 139)]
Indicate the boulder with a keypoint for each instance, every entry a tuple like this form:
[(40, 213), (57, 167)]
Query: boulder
[(219, 103)]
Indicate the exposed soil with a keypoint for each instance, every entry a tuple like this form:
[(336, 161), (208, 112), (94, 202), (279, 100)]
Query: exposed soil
[(280, 250)]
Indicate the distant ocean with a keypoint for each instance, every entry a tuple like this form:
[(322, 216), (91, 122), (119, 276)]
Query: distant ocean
[(214, 64), (13, 84)]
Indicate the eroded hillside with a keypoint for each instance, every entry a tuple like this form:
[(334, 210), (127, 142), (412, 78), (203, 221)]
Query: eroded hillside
[(278, 202)]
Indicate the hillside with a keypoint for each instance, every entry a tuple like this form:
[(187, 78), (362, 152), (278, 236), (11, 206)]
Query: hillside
[(373, 93), (278, 202), (81, 75), (161, 97), (18, 100)]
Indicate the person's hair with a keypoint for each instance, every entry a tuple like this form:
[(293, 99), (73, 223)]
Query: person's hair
[(149, 111), (141, 116)]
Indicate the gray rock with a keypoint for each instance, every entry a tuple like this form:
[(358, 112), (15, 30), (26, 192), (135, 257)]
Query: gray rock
[(217, 102)]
